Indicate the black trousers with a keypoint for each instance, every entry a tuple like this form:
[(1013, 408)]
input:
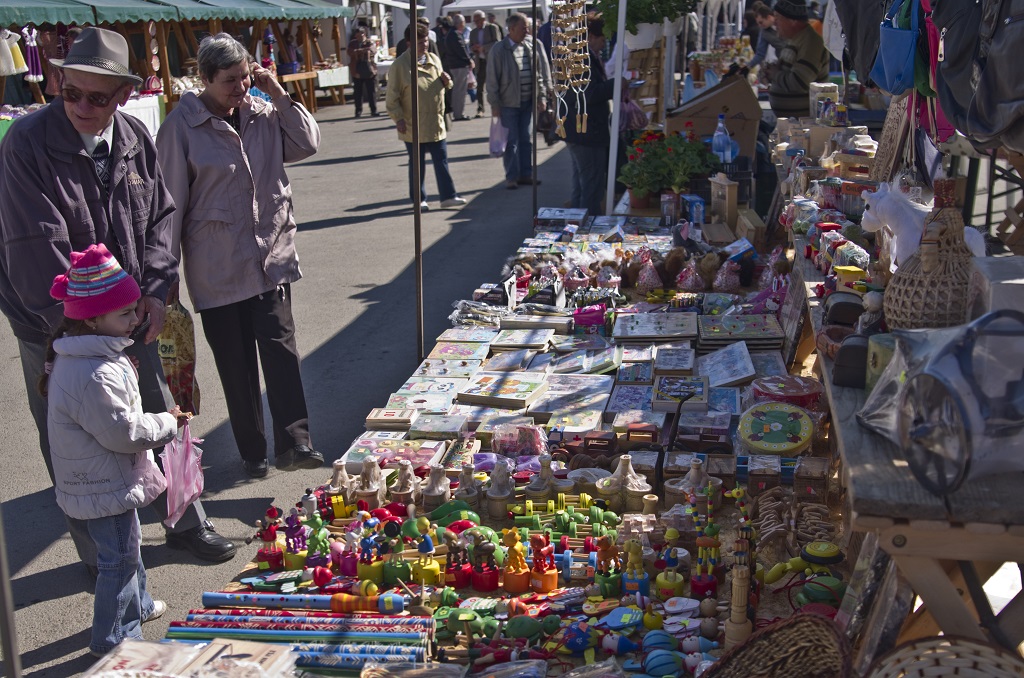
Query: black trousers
[(237, 333), (365, 89)]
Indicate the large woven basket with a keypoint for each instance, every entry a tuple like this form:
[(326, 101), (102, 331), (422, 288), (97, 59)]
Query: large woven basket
[(947, 656), (931, 288), (803, 646)]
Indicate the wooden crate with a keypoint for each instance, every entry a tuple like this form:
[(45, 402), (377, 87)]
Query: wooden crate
[(649, 65)]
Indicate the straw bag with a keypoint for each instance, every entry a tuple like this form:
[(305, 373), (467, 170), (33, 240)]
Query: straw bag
[(947, 656), (803, 646), (931, 289)]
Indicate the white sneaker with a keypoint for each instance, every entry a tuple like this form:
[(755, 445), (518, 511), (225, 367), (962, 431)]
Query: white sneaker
[(159, 607), (425, 206), (453, 202)]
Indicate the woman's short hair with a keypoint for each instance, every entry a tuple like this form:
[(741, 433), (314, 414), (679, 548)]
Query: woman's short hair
[(217, 52), (595, 24), (762, 10), (422, 30)]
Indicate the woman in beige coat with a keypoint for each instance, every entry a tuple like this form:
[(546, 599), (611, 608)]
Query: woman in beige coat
[(223, 153)]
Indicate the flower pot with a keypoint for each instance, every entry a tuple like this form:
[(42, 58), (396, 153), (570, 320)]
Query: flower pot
[(645, 37), (639, 202)]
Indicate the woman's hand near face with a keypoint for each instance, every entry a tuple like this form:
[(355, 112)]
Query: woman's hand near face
[(266, 82)]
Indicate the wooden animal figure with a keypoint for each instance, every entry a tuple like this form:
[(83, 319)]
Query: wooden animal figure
[(607, 556), (514, 560), (317, 541), (634, 558), (543, 552), (294, 533), (483, 552), (458, 554)]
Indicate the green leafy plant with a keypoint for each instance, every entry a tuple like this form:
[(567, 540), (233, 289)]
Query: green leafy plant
[(644, 174), (686, 157), (642, 12)]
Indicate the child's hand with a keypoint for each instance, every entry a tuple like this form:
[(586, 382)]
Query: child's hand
[(134, 361), (182, 417)]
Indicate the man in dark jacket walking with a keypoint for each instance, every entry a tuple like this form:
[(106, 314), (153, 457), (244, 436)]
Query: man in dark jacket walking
[(457, 63), (481, 40), (75, 174), (364, 71)]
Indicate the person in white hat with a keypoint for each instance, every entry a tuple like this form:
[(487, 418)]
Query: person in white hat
[(78, 173)]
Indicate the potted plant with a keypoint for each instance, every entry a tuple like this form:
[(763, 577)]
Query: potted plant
[(645, 173), (643, 12), (686, 157)]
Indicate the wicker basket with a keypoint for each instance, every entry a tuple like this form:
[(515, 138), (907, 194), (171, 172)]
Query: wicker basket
[(931, 288), (947, 656), (803, 646)]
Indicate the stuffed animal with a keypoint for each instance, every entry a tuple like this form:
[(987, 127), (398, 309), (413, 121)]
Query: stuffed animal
[(707, 268)]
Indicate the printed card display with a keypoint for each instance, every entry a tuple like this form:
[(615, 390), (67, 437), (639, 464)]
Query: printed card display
[(768, 363), (727, 366), (579, 342), (510, 361), (655, 326), (501, 389), (669, 389), (629, 398), (438, 427), (459, 350), (623, 419), (550, 403), (580, 383), (453, 369), (427, 403), (517, 339), (635, 373), (724, 399), (542, 362), (469, 333), (568, 363), (387, 418), (475, 414), (758, 331), (576, 422), (637, 353), (443, 385), (677, 361), (390, 452)]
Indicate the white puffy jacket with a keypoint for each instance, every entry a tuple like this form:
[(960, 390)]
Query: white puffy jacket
[(101, 441)]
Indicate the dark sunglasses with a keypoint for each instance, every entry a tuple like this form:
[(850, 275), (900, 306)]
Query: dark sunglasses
[(74, 96)]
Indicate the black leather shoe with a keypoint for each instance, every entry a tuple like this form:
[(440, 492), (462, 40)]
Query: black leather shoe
[(256, 469), (203, 543), (300, 456)]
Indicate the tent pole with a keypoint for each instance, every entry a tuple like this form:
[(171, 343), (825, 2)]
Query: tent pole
[(414, 160), (8, 636), (613, 152), (165, 67), (536, 98)]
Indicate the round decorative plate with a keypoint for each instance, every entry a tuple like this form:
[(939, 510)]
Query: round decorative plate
[(776, 428), (800, 391)]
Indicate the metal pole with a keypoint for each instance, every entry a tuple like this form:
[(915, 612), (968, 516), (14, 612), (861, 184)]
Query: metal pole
[(613, 152), (8, 636), (417, 198), (536, 89)]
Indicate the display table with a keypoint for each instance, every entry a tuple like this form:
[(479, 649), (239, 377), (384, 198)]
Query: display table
[(622, 208), (981, 523), (300, 81), (332, 81), (149, 110)]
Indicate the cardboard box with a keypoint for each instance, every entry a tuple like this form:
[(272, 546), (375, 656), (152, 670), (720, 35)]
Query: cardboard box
[(724, 204), (732, 97), (751, 227), (997, 283), (557, 218)]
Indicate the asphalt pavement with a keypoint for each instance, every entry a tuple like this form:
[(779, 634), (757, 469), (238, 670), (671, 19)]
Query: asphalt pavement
[(355, 313)]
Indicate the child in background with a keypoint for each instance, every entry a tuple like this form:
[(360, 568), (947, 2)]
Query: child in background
[(101, 440)]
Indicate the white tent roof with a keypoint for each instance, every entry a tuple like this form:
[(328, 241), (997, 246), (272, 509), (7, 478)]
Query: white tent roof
[(543, 5)]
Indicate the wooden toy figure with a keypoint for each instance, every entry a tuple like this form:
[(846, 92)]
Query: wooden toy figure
[(485, 575), (458, 573), (634, 578), (318, 548), (670, 583), (269, 557), (544, 576), (607, 556), (517, 572), (426, 570)]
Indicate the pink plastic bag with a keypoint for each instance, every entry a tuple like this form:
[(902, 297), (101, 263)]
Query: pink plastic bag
[(183, 468), (499, 137)]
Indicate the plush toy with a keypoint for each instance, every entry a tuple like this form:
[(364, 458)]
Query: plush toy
[(708, 267), (675, 262)]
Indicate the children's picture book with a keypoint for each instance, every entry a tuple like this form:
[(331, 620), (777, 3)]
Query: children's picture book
[(669, 389), (504, 389), (578, 342), (475, 414), (599, 362), (675, 343), (635, 373), (383, 418), (758, 331), (469, 333), (452, 369), (711, 422), (655, 326), (460, 453), (542, 362), (439, 427), (725, 399), (550, 403), (568, 363), (582, 383), (459, 350), (517, 339), (427, 403), (626, 397), (637, 353), (576, 422), (674, 361), (389, 452), (623, 419), (445, 385), (509, 361), (768, 363), (385, 434), (727, 366), (557, 323)]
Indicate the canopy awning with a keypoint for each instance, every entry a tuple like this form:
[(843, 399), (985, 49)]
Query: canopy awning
[(294, 9), (194, 10), (21, 12), (127, 11), (333, 9), (398, 4)]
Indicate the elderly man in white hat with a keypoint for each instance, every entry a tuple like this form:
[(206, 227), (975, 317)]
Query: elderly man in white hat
[(76, 173)]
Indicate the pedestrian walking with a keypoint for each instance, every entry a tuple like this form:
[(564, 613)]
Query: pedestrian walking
[(363, 67)]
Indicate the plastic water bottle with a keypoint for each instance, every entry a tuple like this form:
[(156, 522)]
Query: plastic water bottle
[(721, 143)]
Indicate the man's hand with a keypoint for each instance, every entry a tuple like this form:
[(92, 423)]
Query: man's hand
[(542, 105), (157, 311), (266, 83), (172, 293), (400, 125)]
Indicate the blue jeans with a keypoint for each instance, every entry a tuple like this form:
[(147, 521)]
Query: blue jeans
[(439, 159), (519, 147), (121, 601), (589, 169)]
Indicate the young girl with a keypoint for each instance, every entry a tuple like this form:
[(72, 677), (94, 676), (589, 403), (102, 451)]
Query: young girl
[(101, 440)]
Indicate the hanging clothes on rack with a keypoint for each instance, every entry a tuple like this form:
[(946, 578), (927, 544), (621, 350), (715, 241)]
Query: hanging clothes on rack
[(35, 67), (11, 61)]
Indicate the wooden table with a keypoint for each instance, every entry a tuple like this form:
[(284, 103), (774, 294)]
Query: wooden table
[(981, 523), (305, 79)]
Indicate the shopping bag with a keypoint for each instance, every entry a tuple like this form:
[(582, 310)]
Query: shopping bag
[(893, 70), (177, 344), (183, 469), (499, 136)]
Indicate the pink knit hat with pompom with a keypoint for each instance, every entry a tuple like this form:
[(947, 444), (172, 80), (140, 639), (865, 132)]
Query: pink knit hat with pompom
[(94, 285)]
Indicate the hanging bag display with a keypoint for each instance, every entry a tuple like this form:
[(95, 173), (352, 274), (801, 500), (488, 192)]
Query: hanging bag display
[(893, 70)]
